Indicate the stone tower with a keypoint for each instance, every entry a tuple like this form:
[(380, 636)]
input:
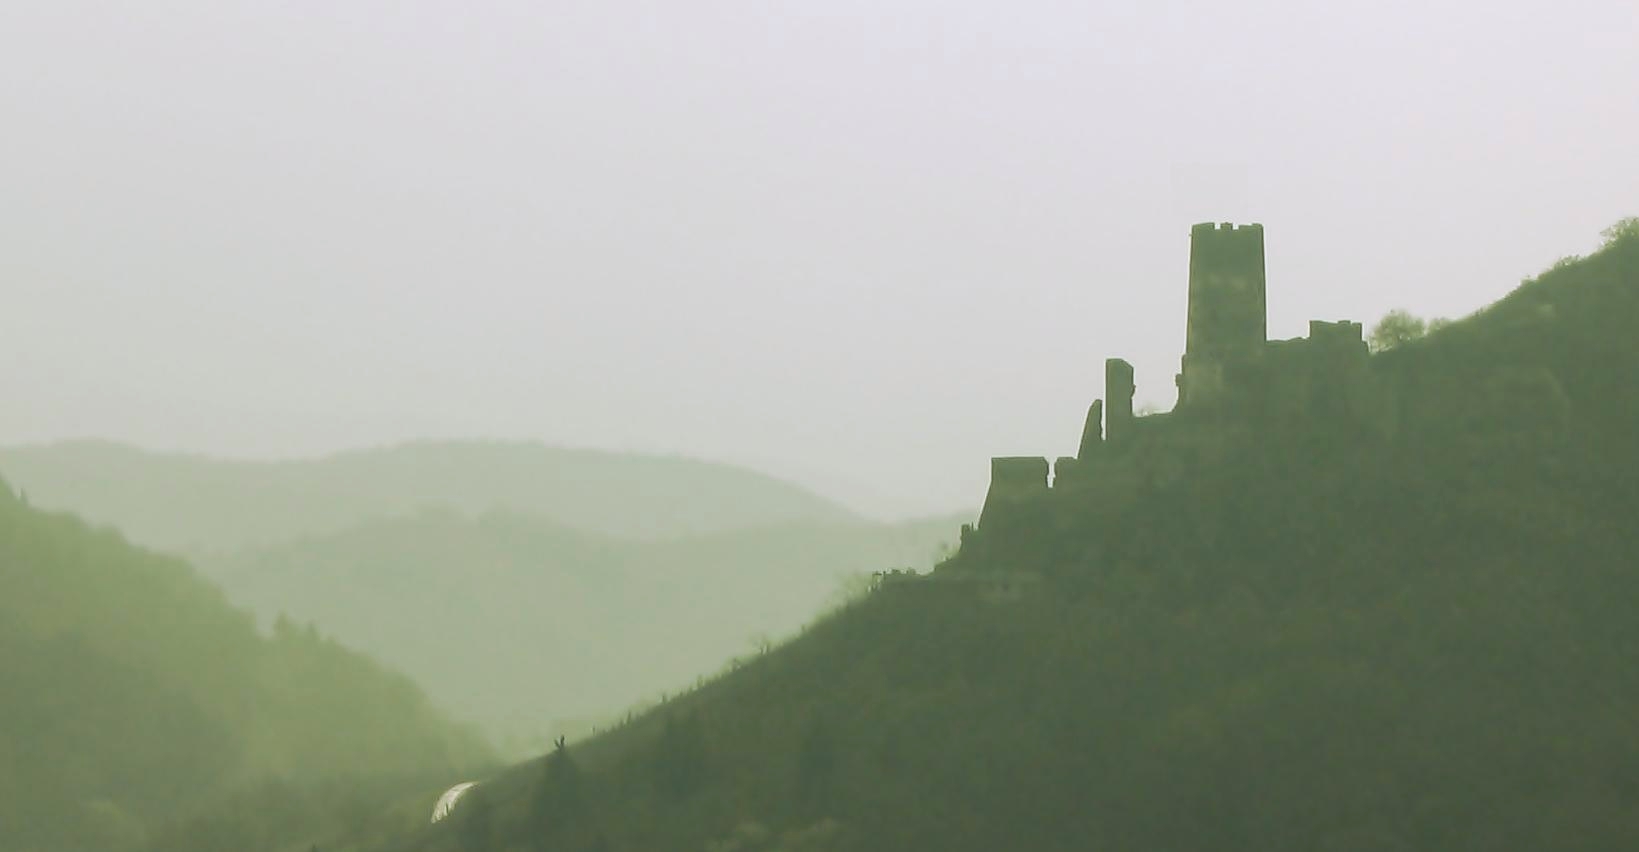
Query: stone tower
[(1228, 316)]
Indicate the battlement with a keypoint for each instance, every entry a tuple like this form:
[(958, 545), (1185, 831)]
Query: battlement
[(1221, 227), (1221, 253), (1341, 333), (1226, 286)]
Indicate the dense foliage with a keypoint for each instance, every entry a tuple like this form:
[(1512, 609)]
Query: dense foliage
[(1329, 643), (533, 629), (135, 698)]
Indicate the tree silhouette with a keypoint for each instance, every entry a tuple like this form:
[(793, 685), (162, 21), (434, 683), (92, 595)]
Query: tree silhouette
[(1395, 328), (558, 798), (1626, 229)]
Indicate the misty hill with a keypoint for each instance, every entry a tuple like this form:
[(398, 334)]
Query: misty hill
[(531, 627), (197, 505), (135, 697), (1324, 641)]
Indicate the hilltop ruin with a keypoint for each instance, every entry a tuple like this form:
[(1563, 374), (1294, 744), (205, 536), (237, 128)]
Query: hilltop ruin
[(1234, 384)]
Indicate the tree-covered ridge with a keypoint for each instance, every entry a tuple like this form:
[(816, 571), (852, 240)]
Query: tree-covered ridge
[(196, 505), (1330, 641), (1560, 349), (533, 629), (135, 696)]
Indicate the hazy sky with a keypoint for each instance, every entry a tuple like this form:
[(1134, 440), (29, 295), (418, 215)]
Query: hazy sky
[(866, 245)]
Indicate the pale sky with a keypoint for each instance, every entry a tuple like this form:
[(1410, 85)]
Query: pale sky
[(863, 245)]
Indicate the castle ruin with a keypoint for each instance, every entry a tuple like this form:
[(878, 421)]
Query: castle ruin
[(1234, 385)]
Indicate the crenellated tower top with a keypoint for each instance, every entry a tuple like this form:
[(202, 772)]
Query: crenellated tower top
[(1228, 313)]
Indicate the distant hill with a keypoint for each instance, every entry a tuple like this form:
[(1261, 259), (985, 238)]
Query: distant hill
[(133, 697), (1325, 642), (530, 627), (196, 505)]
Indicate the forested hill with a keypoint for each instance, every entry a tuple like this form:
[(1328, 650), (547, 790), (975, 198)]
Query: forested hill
[(135, 699), (534, 629), (1328, 644), (195, 505)]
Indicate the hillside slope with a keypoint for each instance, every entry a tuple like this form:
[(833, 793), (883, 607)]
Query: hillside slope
[(533, 629), (196, 505), (1332, 644), (135, 697)]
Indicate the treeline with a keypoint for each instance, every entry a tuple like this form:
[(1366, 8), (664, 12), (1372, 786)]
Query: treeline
[(1334, 644), (600, 621), (1335, 665), (136, 698)]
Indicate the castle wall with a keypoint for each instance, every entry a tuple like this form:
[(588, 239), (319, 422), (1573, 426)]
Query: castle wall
[(1069, 471), (1321, 382), (1013, 480)]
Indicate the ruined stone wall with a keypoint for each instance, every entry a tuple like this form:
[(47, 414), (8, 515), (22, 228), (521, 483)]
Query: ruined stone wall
[(1236, 388), (1011, 522), (1322, 382), (1014, 480), (1092, 432), (1069, 471), (1118, 398)]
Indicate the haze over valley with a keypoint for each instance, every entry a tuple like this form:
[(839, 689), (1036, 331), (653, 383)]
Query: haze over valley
[(631, 426), (532, 590), (863, 248)]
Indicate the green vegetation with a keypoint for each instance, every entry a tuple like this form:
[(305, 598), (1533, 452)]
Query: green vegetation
[(465, 605), (1399, 326), (199, 506), (462, 563), (136, 702), (1625, 229), (1334, 640), (1330, 643)]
